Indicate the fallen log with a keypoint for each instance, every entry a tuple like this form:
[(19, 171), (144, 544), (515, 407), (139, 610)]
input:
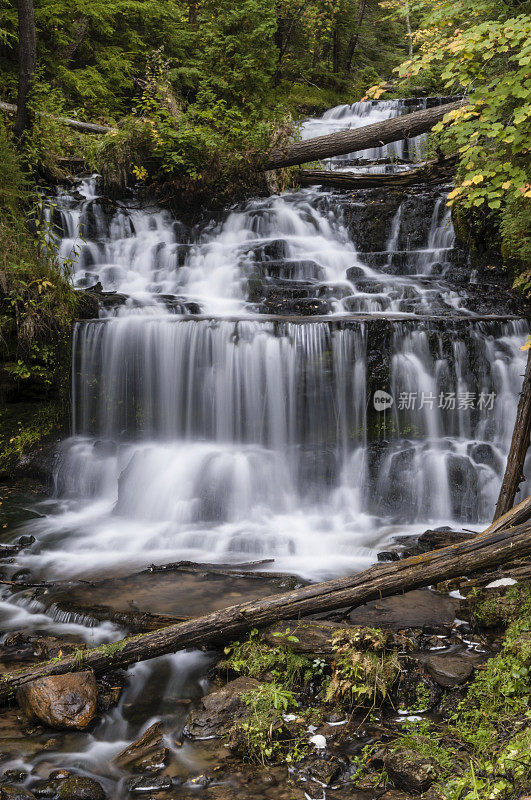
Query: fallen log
[(218, 627), (354, 140), (76, 124), (514, 471), (428, 172)]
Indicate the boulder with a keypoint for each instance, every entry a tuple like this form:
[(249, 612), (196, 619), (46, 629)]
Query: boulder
[(15, 793), (61, 701), (220, 710), (147, 750), (78, 788), (430, 611), (410, 771), (449, 670)]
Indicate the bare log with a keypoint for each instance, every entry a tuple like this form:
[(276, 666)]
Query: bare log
[(353, 140), (514, 471), (84, 127), (218, 627), (427, 172)]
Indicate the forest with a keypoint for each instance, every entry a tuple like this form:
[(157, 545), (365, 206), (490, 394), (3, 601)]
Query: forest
[(265, 399)]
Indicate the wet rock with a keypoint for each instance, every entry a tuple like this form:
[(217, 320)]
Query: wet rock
[(441, 537), (449, 670), (388, 555), (14, 776), (77, 788), (417, 691), (15, 793), (61, 701), (220, 710), (145, 785), (410, 771), (431, 611), (45, 789), (142, 750), (59, 774), (323, 770)]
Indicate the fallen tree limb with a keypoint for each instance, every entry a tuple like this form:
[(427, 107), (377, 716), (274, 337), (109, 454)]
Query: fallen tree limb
[(218, 627), (76, 124), (428, 172), (514, 471), (354, 140)]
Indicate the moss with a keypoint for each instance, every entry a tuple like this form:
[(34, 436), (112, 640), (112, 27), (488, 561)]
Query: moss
[(494, 608), (24, 427)]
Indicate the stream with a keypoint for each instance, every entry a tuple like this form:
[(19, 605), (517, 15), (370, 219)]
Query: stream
[(299, 381)]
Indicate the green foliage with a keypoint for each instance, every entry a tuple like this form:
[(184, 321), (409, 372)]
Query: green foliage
[(257, 658), (36, 298), (482, 48), (24, 429), (491, 609), (485, 754), (264, 736), (363, 672)]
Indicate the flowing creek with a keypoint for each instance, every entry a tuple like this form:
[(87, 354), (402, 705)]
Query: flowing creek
[(300, 380)]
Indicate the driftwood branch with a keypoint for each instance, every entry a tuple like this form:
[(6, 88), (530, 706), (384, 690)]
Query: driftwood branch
[(218, 627), (353, 140), (84, 127), (427, 172), (514, 471)]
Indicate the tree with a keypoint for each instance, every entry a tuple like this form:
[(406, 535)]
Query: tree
[(27, 63)]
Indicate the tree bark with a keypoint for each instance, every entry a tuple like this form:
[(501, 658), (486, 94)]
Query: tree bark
[(428, 172), (84, 127), (516, 516), (354, 39), (353, 140), (514, 471), (27, 63), (212, 630)]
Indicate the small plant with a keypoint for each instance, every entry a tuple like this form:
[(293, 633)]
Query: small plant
[(257, 658), (264, 736), (362, 671)]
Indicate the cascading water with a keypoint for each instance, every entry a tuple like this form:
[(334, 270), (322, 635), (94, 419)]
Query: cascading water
[(224, 403)]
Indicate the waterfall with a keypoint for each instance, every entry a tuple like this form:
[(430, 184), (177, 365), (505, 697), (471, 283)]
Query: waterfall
[(224, 403)]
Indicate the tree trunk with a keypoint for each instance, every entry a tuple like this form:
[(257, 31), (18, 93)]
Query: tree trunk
[(428, 172), (212, 630), (351, 141), (516, 516), (84, 127), (514, 471), (355, 38), (27, 63)]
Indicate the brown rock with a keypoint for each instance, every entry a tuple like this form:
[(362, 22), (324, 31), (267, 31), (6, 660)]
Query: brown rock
[(410, 771), (449, 670), (61, 701), (142, 749), (219, 710), (420, 608)]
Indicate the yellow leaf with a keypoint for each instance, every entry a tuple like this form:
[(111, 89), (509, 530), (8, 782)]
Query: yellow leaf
[(526, 346), (477, 179), (506, 185)]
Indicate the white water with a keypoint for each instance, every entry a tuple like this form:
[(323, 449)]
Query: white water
[(218, 439)]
